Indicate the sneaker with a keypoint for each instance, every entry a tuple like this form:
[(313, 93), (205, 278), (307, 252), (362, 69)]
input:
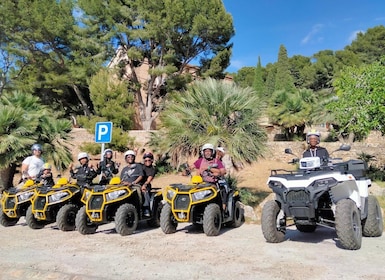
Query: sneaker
[(146, 213)]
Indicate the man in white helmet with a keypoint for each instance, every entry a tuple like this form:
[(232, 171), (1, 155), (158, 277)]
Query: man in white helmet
[(211, 169), (208, 166), (313, 138), (132, 175), (85, 172)]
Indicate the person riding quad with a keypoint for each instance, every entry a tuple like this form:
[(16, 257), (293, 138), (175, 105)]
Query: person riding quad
[(32, 165), (211, 169), (313, 138), (132, 174), (208, 166), (107, 167), (45, 176), (85, 173), (148, 175)]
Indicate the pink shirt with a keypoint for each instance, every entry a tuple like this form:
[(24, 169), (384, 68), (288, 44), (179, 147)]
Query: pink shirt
[(202, 164)]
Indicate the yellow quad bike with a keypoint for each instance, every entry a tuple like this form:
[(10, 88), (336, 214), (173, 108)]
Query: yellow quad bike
[(201, 204), (15, 202), (119, 203), (58, 203)]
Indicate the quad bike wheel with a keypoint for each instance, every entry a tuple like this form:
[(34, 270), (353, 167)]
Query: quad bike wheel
[(126, 219), (238, 217), (348, 224), (7, 221), (273, 222), (155, 218), (32, 221), (372, 226), (83, 223), (212, 220), (306, 228), (167, 221), (65, 218)]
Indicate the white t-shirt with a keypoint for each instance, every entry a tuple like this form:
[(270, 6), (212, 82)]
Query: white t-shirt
[(35, 164)]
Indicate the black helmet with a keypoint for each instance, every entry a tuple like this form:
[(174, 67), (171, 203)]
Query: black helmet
[(148, 155)]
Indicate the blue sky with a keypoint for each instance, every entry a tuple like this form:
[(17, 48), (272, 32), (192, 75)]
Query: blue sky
[(304, 27)]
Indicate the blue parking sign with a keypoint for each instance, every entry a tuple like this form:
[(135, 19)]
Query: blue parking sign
[(103, 132)]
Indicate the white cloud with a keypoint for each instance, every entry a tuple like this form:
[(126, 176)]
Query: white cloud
[(353, 35), (315, 29)]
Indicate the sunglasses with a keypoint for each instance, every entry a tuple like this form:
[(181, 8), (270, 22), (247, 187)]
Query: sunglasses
[(147, 160)]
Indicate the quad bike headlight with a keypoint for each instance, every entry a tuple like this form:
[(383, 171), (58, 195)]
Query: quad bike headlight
[(327, 182), (57, 197), (275, 184), (201, 195), (115, 194), (25, 196), (170, 194)]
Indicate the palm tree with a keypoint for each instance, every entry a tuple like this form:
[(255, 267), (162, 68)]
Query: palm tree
[(292, 111), (23, 122), (214, 112)]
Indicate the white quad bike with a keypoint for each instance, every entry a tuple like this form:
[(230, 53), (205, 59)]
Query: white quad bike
[(333, 195)]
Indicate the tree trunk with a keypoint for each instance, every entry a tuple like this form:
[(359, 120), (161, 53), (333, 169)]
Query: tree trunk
[(6, 177), (78, 93), (146, 116)]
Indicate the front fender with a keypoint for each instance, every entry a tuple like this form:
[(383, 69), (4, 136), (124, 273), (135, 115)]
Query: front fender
[(346, 189)]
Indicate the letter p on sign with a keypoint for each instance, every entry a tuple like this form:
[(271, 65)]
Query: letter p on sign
[(103, 132)]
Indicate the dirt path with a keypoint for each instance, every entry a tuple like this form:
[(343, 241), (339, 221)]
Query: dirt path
[(188, 254)]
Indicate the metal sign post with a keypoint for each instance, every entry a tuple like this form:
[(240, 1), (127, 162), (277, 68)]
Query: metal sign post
[(103, 134)]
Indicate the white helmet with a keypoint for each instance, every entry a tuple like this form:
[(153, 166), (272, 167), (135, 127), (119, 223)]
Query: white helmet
[(208, 146), (83, 155), (107, 151), (313, 133), (129, 152)]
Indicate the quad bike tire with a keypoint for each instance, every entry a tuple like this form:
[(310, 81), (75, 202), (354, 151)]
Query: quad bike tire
[(83, 224), (212, 220), (373, 225), (238, 216), (155, 218), (7, 221), (126, 219), (306, 228), (66, 216), (348, 224), (167, 220), (32, 222), (270, 230)]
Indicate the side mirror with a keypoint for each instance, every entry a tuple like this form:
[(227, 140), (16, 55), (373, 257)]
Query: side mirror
[(288, 151)]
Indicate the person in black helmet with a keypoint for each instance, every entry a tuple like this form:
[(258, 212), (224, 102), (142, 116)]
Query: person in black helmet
[(148, 175), (107, 167)]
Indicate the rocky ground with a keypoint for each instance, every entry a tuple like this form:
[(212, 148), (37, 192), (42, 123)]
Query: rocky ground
[(239, 253)]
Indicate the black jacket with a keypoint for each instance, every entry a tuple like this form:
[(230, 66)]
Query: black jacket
[(83, 175)]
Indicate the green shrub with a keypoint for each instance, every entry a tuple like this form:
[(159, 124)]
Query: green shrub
[(120, 140), (252, 197), (163, 166), (90, 148)]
